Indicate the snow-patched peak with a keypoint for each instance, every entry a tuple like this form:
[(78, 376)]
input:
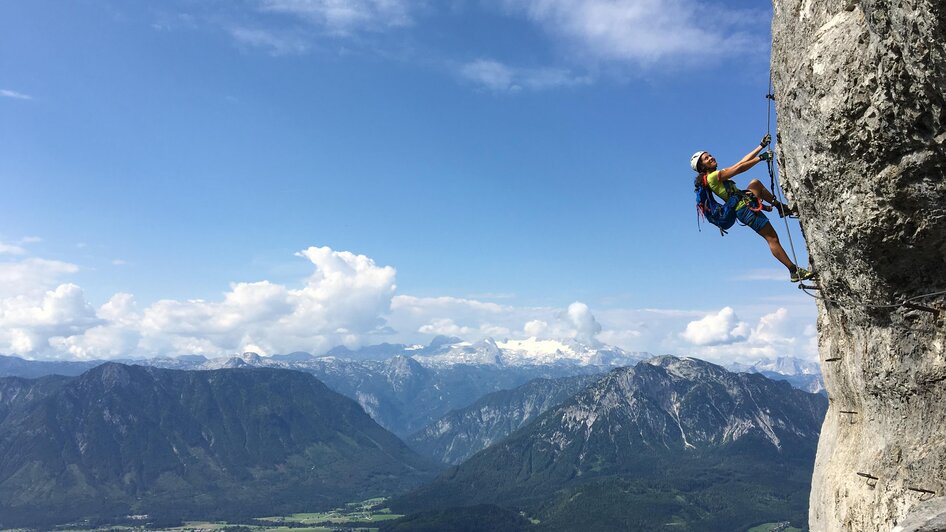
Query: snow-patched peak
[(537, 351), (688, 368), (789, 366), (528, 352), (484, 352)]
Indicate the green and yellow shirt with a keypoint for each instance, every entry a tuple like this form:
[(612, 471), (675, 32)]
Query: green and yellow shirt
[(720, 189)]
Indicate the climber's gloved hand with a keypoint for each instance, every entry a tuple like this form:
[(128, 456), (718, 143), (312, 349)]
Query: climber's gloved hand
[(765, 156), (766, 140)]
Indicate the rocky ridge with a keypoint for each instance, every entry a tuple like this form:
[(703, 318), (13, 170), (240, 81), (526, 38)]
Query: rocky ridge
[(646, 445)]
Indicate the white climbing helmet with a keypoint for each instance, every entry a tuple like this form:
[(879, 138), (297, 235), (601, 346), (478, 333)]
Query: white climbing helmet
[(695, 160)]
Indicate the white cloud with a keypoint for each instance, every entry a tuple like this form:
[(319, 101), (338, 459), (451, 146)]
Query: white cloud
[(7, 93), (576, 321), (28, 324), (772, 328), (723, 327), (585, 324), (349, 299), (445, 326), (343, 300), (11, 249), (118, 335), (498, 77), (345, 16), (779, 274), (32, 276), (278, 42), (642, 31), (452, 316)]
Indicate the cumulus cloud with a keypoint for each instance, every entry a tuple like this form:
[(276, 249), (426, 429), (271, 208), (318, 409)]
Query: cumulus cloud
[(498, 77), (585, 324), (345, 298), (641, 31), (723, 327), (772, 328), (576, 321), (32, 276), (349, 299), (27, 325), (451, 316), (445, 326)]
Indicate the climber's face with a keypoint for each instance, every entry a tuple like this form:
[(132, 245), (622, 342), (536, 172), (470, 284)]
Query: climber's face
[(708, 162)]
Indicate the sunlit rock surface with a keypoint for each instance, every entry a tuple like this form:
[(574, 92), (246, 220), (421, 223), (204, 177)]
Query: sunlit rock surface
[(859, 87)]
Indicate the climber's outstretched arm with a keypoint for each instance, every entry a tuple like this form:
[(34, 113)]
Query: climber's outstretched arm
[(740, 167), (752, 154), (751, 159)]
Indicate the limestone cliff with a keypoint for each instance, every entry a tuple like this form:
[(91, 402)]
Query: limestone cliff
[(859, 87)]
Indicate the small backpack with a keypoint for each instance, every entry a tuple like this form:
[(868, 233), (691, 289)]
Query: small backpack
[(723, 215)]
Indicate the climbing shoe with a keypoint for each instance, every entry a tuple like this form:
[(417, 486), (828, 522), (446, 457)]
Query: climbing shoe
[(784, 210), (801, 274)]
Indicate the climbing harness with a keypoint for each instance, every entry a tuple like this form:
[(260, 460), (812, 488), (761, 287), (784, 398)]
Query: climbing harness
[(722, 215)]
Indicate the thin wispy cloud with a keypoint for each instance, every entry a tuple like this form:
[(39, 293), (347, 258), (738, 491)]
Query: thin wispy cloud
[(642, 32), (7, 93), (278, 43), (343, 17), (11, 249), (498, 77), (763, 275)]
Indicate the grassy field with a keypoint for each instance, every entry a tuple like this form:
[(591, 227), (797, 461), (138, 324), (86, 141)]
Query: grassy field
[(354, 513), (775, 527), (363, 515)]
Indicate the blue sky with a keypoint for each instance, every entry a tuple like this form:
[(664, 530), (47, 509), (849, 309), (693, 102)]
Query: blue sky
[(469, 166)]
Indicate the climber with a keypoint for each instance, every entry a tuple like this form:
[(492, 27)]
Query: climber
[(719, 182)]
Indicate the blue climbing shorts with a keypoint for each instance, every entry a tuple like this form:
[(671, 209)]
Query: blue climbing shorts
[(755, 220)]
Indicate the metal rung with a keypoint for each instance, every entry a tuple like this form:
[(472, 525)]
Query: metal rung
[(934, 311), (834, 359), (847, 411), (802, 286), (921, 490)]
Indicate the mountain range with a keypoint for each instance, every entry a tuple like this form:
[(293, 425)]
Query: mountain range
[(407, 387), (466, 431), (122, 439), (802, 374), (669, 442)]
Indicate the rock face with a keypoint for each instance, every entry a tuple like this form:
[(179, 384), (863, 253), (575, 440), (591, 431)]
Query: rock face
[(859, 86), (465, 431)]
